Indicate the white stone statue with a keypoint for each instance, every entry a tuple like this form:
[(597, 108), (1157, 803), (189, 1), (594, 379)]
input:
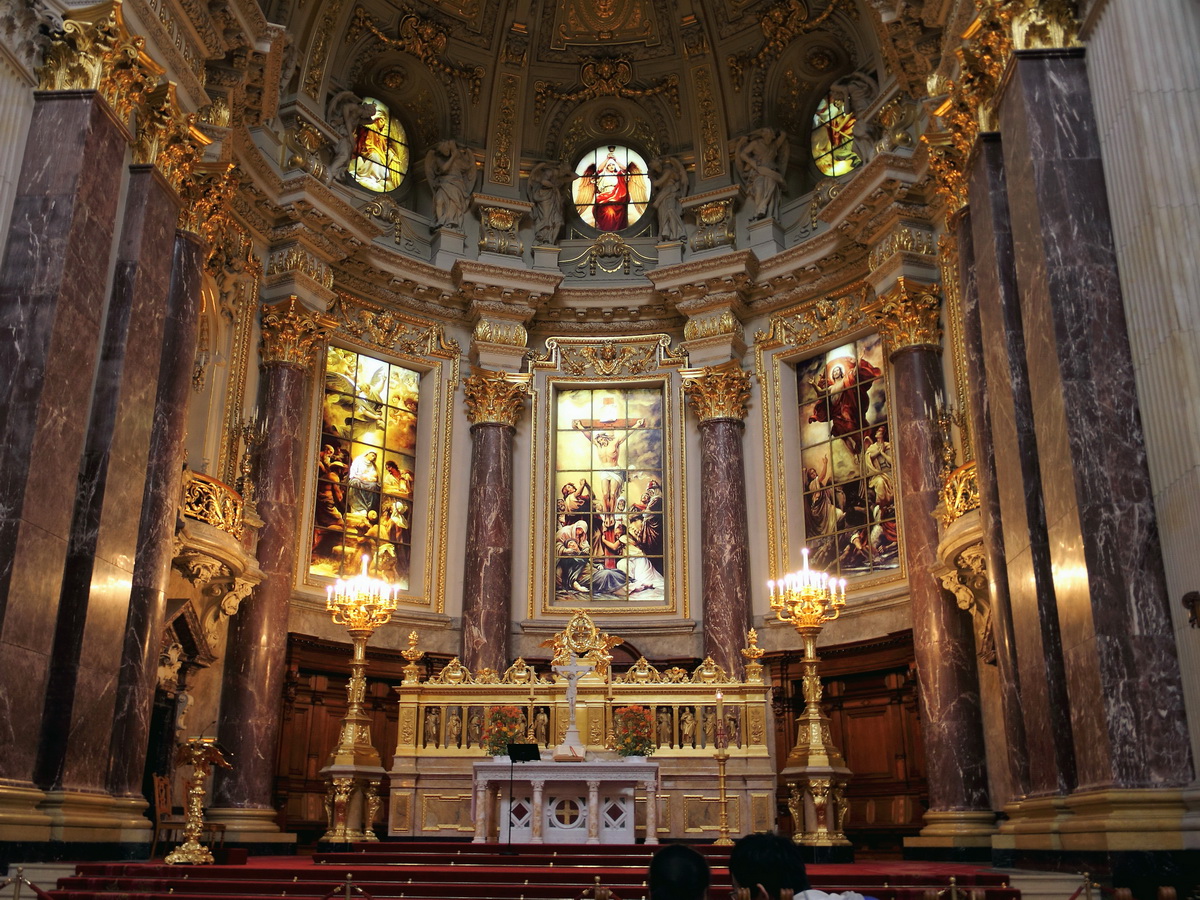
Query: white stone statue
[(346, 112), (855, 92), (546, 183), (451, 170), (762, 158), (669, 184)]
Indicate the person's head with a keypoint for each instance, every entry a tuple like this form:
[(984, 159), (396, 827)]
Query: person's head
[(766, 864), (392, 467), (568, 489), (678, 873), (372, 456)]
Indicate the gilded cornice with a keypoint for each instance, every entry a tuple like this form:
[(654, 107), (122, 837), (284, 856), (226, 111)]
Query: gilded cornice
[(717, 392), (908, 316), (819, 319), (390, 331), (494, 398), (499, 332), (638, 354), (174, 40), (95, 52), (422, 38), (292, 335)]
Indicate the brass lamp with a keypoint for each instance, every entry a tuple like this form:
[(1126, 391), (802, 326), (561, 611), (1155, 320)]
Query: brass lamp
[(815, 772), (354, 770)]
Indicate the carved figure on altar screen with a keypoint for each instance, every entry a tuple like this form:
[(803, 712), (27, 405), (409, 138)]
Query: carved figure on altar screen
[(453, 728), (611, 188), (710, 727), (541, 727), (687, 728), (664, 728), (474, 728), (432, 720)]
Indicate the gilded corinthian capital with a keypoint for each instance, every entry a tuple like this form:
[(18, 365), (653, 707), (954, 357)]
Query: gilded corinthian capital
[(717, 392), (494, 398), (907, 315), (292, 335)]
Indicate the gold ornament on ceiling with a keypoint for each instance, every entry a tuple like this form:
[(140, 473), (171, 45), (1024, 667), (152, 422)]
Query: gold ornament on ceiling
[(604, 22), (423, 39), (781, 25), (605, 78)]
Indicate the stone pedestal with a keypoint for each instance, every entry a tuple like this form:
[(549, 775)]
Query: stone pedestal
[(765, 237), (447, 246), (546, 258)]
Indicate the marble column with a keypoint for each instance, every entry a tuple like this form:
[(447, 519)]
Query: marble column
[(252, 681), (1110, 589), (943, 637), (52, 299), (718, 396), (1017, 477), (989, 511), (494, 406), (156, 529), (78, 719)]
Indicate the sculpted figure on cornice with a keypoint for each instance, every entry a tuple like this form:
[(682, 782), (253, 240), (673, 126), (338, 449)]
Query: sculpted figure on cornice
[(451, 170), (856, 91), (669, 183), (546, 183), (346, 112), (762, 158)]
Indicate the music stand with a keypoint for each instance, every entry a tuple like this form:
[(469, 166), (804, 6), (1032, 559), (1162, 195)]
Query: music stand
[(522, 752)]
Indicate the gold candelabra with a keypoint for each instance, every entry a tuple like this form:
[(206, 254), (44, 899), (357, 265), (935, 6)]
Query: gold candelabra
[(354, 770), (815, 771), (201, 754), (722, 755)]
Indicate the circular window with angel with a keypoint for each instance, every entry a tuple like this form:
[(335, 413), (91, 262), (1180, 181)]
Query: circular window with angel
[(612, 188)]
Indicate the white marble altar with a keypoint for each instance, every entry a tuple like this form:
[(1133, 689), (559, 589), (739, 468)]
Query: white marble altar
[(589, 802)]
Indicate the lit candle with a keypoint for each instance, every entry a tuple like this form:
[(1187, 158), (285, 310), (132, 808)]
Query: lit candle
[(720, 705)]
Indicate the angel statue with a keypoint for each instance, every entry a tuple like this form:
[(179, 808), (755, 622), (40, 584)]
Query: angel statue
[(546, 183), (610, 195), (451, 170), (668, 182), (762, 158), (855, 93), (347, 113)]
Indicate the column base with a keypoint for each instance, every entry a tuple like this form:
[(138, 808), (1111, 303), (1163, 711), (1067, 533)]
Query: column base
[(20, 817), (1115, 820), (249, 826), (953, 835), (76, 816)]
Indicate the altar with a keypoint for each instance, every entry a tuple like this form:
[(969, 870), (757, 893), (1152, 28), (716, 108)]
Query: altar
[(590, 802)]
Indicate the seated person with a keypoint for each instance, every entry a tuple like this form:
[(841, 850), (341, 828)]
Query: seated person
[(768, 866), (678, 873)]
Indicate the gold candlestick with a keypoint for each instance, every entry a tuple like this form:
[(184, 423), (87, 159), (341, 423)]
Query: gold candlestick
[(722, 755)]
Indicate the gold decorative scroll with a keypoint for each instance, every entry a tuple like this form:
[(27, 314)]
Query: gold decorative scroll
[(213, 502), (95, 52), (495, 398), (959, 494), (426, 41), (780, 25), (717, 392), (907, 315), (605, 78), (291, 335), (634, 355)]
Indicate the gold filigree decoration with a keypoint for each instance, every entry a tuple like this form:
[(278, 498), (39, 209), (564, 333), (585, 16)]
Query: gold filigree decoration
[(821, 319), (712, 326), (320, 48), (753, 655), (634, 355), (609, 253), (907, 315), (904, 238), (454, 672), (502, 154), (708, 672), (582, 639), (426, 41), (605, 78), (168, 138), (212, 502), (510, 334), (714, 224), (1042, 24), (717, 392), (495, 398), (95, 52), (780, 25), (520, 672), (389, 330), (499, 231), (292, 335), (207, 194), (297, 259), (959, 494), (710, 129)]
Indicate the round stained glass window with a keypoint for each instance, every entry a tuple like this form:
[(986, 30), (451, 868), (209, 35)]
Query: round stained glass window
[(380, 159), (833, 138), (611, 188)]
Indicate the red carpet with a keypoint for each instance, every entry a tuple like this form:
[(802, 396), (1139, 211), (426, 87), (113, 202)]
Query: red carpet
[(449, 871)]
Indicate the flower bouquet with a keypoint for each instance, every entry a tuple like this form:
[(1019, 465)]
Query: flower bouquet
[(632, 730), (505, 725)]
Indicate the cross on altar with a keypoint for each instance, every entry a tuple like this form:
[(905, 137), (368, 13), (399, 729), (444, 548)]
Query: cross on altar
[(571, 748)]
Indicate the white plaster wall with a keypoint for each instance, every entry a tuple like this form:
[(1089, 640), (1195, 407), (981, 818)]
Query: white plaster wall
[(1145, 75)]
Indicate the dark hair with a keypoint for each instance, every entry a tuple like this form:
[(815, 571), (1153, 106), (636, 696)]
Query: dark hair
[(769, 859), (678, 873)]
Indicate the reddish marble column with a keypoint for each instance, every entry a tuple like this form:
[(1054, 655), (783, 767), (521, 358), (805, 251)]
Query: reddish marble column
[(156, 529), (989, 511), (1020, 523), (255, 658), (1110, 588), (943, 637), (494, 405), (78, 719), (718, 397), (52, 297)]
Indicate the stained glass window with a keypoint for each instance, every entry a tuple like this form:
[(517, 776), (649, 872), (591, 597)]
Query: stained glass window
[(847, 460), (611, 188), (833, 138), (380, 159), (365, 468), (608, 494)]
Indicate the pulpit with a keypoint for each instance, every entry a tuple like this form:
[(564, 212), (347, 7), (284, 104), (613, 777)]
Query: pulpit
[(549, 802)]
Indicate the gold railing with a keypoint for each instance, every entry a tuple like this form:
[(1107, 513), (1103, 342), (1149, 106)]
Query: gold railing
[(212, 502), (960, 494)]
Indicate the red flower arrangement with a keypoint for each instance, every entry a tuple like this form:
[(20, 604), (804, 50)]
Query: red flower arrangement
[(505, 725), (632, 731)]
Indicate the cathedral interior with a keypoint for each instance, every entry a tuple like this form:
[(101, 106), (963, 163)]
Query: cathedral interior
[(580, 325)]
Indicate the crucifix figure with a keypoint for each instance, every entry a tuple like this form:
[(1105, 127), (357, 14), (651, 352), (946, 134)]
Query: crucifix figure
[(571, 749)]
